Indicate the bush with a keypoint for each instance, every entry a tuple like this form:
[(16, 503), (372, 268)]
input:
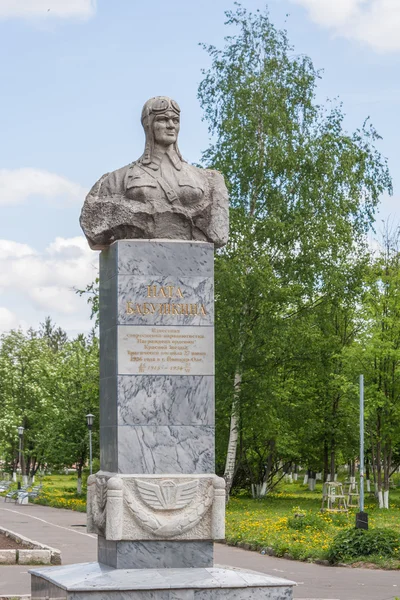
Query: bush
[(307, 521), (357, 543)]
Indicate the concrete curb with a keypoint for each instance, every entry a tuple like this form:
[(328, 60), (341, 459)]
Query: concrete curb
[(34, 557), (34, 552), (8, 557)]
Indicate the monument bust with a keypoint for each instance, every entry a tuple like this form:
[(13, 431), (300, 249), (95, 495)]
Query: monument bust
[(159, 195)]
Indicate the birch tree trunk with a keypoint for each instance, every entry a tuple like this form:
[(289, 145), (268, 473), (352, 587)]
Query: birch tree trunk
[(230, 464), (379, 474), (386, 476)]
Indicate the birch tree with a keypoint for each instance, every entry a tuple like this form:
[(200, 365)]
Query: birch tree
[(303, 194)]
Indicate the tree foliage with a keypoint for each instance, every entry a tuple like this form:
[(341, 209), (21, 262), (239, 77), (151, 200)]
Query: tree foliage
[(47, 384), (303, 195)]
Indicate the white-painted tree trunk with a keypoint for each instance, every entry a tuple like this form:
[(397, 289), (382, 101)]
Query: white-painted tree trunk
[(295, 476), (14, 476), (258, 490), (380, 499), (311, 484), (305, 480), (79, 486), (233, 439), (368, 485), (386, 499)]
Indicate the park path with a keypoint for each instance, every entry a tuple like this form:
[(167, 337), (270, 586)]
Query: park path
[(65, 530)]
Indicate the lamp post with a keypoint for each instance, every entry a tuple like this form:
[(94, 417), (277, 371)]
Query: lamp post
[(20, 435), (89, 422)]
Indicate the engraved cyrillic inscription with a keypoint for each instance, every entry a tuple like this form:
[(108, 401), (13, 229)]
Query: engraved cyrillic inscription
[(166, 350)]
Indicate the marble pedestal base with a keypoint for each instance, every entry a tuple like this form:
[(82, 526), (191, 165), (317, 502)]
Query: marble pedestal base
[(155, 554), (94, 581)]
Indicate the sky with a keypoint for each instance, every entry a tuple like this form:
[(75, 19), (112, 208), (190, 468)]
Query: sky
[(74, 77)]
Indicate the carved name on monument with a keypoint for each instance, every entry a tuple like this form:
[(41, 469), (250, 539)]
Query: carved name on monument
[(178, 307)]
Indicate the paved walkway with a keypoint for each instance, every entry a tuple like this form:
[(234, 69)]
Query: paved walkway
[(65, 530)]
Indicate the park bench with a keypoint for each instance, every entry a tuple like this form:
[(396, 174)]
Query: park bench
[(33, 493), (13, 495)]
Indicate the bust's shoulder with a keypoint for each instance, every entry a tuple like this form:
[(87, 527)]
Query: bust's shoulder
[(213, 177), (114, 182)]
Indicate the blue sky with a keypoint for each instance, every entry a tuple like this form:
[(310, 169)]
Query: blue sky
[(74, 77)]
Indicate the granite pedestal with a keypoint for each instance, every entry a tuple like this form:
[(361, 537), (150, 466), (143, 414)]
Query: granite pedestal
[(156, 504)]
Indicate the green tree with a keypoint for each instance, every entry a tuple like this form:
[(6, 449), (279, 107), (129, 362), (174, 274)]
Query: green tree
[(27, 370), (48, 384), (303, 194), (377, 355), (77, 395)]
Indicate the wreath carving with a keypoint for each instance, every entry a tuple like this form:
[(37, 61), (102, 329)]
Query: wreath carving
[(168, 497), (99, 504)]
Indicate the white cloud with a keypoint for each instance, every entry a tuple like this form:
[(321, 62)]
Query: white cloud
[(17, 185), (372, 22), (12, 249), (36, 284), (8, 320), (64, 265), (65, 9)]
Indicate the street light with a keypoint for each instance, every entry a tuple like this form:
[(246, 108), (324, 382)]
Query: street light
[(89, 422), (20, 435)]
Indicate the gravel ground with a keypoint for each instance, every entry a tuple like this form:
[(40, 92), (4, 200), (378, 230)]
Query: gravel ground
[(7, 543)]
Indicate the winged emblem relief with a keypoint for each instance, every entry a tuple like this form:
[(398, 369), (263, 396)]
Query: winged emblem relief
[(172, 507), (167, 495)]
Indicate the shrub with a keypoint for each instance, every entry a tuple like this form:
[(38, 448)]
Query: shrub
[(306, 521), (356, 543)]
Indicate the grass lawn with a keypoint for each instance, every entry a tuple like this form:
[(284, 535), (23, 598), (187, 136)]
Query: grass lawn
[(60, 491), (269, 523)]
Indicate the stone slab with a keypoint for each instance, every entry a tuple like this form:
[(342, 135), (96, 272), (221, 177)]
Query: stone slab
[(55, 555), (163, 400), (77, 581), (108, 352), (8, 557), (165, 449), (153, 449), (166, 350), (155, 554), (34, 557), (143, 299), (178, 258)]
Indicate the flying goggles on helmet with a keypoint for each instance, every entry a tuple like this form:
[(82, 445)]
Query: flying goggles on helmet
[(160, 105)]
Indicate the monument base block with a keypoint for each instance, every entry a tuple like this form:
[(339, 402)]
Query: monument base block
[(155, 554), (95, 581)]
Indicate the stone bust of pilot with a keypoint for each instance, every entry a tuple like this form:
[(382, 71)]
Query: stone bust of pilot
[(159, 195)]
